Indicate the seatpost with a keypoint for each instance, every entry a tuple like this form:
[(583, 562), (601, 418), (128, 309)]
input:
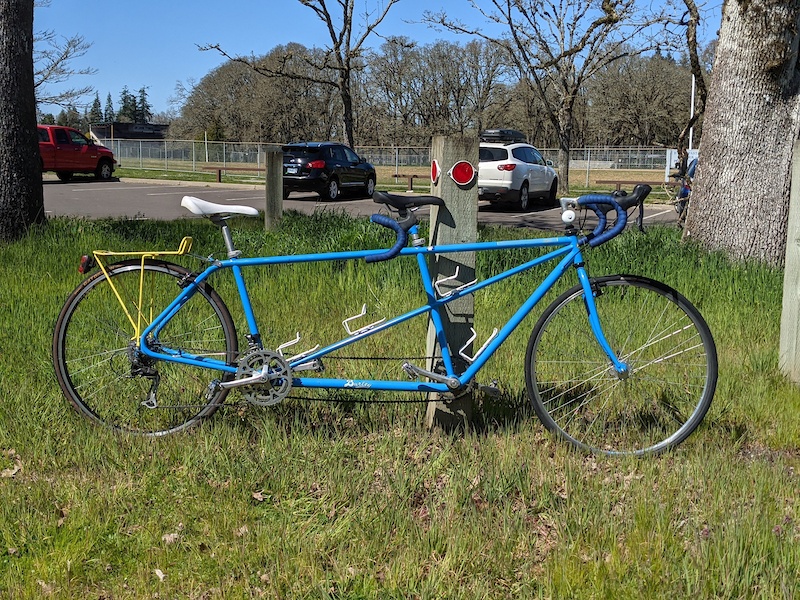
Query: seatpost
[(222, 223)]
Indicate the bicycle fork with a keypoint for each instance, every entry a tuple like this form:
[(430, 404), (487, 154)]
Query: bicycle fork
[(589, 291)]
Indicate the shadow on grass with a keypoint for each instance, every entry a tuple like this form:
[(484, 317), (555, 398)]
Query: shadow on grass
[(333, 413)]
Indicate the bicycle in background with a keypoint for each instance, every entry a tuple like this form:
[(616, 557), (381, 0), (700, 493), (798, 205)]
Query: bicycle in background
[(680, 201)]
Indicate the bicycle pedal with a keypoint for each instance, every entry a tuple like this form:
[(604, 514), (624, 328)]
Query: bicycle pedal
[(490, 390), (409, 370), (212, 389), (450, 382)]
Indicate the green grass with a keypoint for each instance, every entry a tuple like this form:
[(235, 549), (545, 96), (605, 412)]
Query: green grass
[(340, 500)]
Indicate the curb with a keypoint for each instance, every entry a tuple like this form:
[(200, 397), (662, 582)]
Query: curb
[(178, 182)]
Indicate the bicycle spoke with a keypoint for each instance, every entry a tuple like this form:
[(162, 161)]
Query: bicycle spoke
[(105, 376), (669, 354)]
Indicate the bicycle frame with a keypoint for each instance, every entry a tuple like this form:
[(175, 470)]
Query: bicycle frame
[(566, 250)]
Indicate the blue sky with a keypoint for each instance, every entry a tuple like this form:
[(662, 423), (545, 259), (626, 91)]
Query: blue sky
[(154, 43)]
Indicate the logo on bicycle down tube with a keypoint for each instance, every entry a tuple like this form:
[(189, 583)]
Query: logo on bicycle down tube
[(360, 385)]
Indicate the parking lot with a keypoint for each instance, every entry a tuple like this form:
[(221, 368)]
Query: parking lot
[(148, 199)]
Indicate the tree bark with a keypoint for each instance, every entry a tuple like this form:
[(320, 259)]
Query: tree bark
[(740, 199), (21, 197)]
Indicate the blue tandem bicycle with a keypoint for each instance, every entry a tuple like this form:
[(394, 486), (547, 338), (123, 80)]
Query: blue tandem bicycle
[(618, 364)]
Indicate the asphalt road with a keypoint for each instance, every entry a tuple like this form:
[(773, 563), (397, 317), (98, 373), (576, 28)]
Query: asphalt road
[(148, 199)]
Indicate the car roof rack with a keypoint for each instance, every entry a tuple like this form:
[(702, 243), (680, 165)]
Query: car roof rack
[(508, 136)]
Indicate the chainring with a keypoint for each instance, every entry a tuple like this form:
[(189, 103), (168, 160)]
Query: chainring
[(277, 382)]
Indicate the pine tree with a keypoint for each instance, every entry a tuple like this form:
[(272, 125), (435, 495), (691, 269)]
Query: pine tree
[(144, 109), (96, 112), (128, 109), (69, 117), (109, 115)]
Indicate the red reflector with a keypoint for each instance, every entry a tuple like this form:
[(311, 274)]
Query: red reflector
[(462, 172), (507, 167), (316, 164), (435, 171)]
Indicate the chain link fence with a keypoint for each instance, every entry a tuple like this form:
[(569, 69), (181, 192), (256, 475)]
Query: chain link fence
[(177, 155)]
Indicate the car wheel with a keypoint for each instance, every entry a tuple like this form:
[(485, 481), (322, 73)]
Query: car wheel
[(332, 190), (104, 170), (524, 197), (369, 189), (285, 193), (64, 176), (552, 197)]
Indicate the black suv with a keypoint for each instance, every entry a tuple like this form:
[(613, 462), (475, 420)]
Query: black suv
[(327, 168)]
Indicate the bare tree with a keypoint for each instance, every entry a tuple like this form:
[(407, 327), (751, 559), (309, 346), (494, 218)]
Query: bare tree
[(391, 102), (639, 100), (21, 197), (740, 199), (691, 20), (53, 57), (557, 45), (233, 102), (342, 57), (487, 73), (409, 92)]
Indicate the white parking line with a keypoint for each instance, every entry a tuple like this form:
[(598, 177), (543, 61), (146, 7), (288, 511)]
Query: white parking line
[(184, 191), (106, 188), (658, 214)]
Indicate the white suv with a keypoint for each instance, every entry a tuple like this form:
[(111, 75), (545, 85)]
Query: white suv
[(511, 170)]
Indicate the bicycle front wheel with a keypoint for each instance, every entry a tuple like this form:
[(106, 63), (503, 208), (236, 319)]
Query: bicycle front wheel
[(671, 358), (97, 359)]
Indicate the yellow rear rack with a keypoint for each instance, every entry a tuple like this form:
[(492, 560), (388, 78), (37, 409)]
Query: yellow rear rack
[(140, 321)]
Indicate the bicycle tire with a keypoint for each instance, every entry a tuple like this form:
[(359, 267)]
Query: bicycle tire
[(671, 357), (100, 370)]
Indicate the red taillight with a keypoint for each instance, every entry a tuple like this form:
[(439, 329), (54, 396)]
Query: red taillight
[(316, 164), (86, 264), (507, 167)]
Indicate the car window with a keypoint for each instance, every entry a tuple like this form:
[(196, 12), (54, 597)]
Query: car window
[(338, 153), (43, 137), (350, 155), (537, 158), (301, 152), (522, 153), (78, 139), (61, 136), (491, 154)]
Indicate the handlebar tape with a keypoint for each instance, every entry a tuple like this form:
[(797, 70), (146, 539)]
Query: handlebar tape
[(603, 203), (402, 239), (599, 236)]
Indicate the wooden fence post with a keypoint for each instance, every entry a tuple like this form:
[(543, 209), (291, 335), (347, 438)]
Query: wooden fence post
[(455, 222), (274, 186), (789, 357)]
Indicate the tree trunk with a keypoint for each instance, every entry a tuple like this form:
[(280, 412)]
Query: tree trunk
[(564, 127), (563, 170), (347, 106), (21, 197), (740, 199)]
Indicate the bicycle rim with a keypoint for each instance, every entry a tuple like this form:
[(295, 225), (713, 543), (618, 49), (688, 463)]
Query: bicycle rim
[(105, 378), (670, 353)]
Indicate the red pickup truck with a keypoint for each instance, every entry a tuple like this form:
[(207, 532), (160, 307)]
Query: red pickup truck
[(67, 151)]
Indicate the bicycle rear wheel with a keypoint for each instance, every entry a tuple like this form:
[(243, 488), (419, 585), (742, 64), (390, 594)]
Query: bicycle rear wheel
[(671, 357), (106, 378)]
